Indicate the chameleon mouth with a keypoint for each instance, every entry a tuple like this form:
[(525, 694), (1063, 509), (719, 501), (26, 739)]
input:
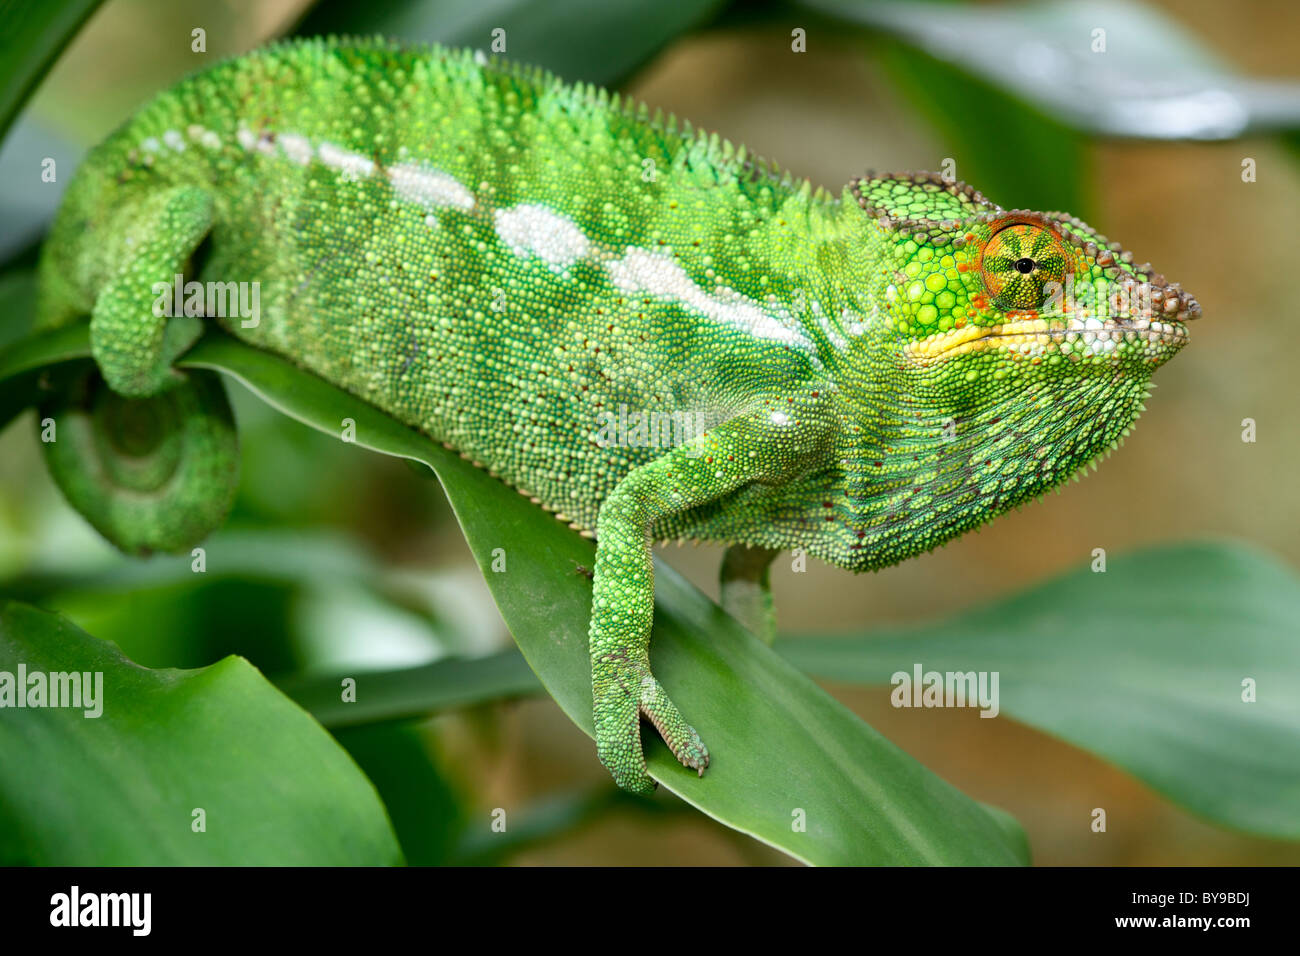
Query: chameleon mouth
[(1074, 338)]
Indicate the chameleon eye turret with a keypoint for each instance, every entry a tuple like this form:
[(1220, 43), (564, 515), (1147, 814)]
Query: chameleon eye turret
[(1022, 263)]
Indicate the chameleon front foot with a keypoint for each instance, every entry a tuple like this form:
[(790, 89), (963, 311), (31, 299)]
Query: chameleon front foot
[(620, 706)]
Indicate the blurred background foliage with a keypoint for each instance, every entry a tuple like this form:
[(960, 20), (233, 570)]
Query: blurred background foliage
[(341, 562)]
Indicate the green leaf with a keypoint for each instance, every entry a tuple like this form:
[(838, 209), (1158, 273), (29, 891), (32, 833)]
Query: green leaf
[(17, 304), (425, 807), (783, 744), (1143, 665), (121, 788), (247, 601), (592, 40), (1243, 774), (35, 367), (1048, 169), (33, 35), (786, 750), (414, 691)]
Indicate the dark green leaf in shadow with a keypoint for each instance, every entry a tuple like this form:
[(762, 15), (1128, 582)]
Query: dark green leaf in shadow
[(17, 304), (1143, 665), (244, 602), (414, 691), (122, 788), (36, 367), (424, 806), (1019, 157), (591, 40), (190, 624)]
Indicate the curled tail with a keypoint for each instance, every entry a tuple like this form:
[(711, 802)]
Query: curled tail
[(150, 474), (146, 453)]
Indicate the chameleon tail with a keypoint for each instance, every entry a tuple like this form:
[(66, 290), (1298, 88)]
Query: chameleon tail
[(146, 453), (150, 474), (133, 338)]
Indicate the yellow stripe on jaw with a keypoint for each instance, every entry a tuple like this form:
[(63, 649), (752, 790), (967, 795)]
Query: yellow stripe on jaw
[(972, 338)]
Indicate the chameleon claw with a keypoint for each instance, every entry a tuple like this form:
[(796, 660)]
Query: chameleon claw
[(620, 706), (680, 736)]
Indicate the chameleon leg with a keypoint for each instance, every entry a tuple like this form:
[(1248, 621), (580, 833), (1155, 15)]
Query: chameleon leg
[(624, 689), (133, 346), (747, 589)]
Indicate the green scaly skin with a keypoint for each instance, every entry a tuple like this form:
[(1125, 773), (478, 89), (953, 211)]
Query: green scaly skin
[(511, 265)]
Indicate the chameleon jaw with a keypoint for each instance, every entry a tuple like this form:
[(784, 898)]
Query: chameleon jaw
[(1037, 337)]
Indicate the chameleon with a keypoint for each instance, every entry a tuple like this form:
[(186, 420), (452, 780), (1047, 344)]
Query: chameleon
[(649, 331)]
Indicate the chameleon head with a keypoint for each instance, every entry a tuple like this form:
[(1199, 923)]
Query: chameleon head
[(1017, 346), (1021, 293)]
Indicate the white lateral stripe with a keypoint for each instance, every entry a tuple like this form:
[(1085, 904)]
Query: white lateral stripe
[(531, 229), (644, 271), (431, 188), (296, 147), (346, 161)]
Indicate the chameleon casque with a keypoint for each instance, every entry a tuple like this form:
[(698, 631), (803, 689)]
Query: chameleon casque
[(503, 261)]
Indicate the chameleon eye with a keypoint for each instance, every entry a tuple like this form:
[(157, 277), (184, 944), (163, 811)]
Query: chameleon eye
[(1019, 261)]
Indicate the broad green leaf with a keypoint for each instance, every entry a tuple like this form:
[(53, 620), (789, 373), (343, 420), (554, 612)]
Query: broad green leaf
[(33, 35), (785, 749), (783, 744), (1243, 773), (591, 40), (1144, 665), (121, 788)]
